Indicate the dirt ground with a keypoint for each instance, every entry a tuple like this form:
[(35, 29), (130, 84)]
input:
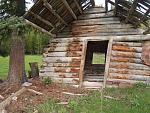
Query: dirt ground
[(28, 99)]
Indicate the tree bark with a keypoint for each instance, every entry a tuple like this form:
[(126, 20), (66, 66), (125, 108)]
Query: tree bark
[(16, 73)]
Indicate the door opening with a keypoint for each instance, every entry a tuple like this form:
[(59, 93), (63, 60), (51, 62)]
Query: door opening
[(95, 59)]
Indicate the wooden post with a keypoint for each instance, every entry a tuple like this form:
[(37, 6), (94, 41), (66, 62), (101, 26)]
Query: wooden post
[(34, 69), (84, 48), (106, 5), (108, 57)]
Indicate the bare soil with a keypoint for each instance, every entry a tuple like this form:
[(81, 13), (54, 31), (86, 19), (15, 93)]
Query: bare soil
[(29, 99)]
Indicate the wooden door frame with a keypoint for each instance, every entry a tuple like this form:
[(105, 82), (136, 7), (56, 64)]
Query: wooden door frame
[(84, 50)]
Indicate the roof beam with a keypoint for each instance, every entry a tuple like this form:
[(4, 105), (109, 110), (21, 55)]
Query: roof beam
[(144, 16), (77, 4), (69, 9), (49, 7), (41, 19), (131, 10), (39, 28), (116, 7)]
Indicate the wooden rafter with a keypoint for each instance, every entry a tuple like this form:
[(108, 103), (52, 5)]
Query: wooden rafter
[(106, 5), (144, 16), (49, 7), (41, 19), (116, 7), (131, 10), (77, 4), (39, 28), (69, 9)]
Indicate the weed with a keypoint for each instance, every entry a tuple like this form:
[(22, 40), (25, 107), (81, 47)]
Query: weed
[(47, 81)]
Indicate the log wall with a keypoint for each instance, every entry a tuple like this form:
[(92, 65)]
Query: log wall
[(63, 56), (127, 64)]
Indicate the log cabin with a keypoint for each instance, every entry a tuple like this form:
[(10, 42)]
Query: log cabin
[(83, 33)]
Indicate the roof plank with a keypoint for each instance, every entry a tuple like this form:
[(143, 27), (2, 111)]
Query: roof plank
[(49, 7), (69, 9)]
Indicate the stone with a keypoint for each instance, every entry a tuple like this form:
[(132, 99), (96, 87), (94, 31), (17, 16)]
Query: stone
[(26, 84)]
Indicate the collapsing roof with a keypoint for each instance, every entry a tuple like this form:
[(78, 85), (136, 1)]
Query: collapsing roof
[(51, 16)]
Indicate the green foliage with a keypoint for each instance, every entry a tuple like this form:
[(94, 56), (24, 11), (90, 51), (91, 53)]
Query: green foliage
[(47, 81), (7, 8), (34, 39)]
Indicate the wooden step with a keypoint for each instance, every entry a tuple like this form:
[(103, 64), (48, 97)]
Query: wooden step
[(93, 80), (87, 84), (94, 74)]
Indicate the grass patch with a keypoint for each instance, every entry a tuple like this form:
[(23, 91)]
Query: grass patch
[(130, 100), (98, 58), (4, 64)]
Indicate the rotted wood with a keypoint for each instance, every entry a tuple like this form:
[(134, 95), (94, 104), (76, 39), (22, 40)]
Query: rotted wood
[(130, 77), (61, 59), (39, 28), (63, 64), (49, 7), (124, 65), (108, 58), (41, 19), (131, 44), (59, 75), (69, 9), (126, 54), (123, 59), (130, 71), (34, 70), (127, 49)]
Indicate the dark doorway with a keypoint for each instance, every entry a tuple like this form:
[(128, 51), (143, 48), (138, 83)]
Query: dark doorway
[(95, 61)]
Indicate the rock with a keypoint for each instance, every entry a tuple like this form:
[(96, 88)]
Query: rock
[(1, 97), (14, 98), (3, 111), (26, 84)]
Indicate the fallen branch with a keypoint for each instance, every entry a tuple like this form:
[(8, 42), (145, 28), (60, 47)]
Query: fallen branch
[(72, 94), (8, 100), (36, 92), (109, 97)]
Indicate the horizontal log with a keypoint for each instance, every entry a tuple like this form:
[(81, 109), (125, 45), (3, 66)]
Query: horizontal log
[(64, 44), (101, 38), (131, 44), (59, 75), (70, 64), (65, 54), (119, 81), (61, 59), (94, 10), (126, 54), (100, 21), (128, 65), (66, 80), (101, 27), (129, 77), (92, 16), (60, 69), (127, 48), (130, 71), (127, 60), (85, 35), (92, 30)]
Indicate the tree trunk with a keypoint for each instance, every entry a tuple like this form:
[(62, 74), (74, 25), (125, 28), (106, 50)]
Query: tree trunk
[(16, 73), (20, 7)]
